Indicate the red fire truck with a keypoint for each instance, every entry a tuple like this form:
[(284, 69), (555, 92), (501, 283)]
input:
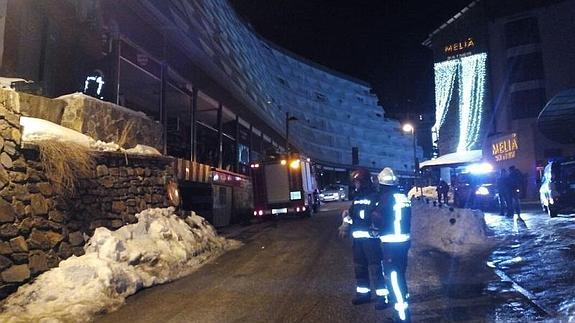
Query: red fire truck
[(283, 184)]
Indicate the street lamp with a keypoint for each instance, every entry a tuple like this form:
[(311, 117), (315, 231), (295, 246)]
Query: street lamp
[(410, 128), (288, 119)]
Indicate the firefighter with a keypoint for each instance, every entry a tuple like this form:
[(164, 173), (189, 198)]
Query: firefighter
[(366, 250), (393, 220)]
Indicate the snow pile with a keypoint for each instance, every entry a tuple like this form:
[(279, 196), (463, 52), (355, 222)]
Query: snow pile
[(458, 232), (429, 192), (143, 150), (34, 129), (159, 248)]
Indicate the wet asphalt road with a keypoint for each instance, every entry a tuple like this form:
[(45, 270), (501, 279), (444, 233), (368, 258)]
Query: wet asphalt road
[(538, 255), (298, 270), (293, 270)]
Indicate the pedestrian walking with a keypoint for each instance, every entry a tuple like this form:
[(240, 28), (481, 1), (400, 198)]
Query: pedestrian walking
[(394, 222), (366, 250), (504, 192), (442, 192), (516, 185)]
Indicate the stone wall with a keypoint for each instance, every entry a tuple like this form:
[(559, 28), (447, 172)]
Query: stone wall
[(38, 226)]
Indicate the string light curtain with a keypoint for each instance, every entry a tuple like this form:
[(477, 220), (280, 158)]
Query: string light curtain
[(471, 99), (445, 74)]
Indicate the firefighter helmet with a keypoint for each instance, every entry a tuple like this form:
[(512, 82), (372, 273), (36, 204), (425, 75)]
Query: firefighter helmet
[(387, 177), (361, 175)]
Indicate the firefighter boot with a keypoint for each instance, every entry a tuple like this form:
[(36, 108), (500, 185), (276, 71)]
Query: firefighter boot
[(381, 303), (361, 298)]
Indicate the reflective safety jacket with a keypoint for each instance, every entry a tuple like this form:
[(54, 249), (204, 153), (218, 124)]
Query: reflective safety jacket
[(360, 214), (393, 215)]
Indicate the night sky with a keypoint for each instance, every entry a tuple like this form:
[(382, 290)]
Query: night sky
[(378, 41)]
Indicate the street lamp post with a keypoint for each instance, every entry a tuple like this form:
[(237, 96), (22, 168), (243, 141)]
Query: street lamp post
[(411, 129), (288, 119)]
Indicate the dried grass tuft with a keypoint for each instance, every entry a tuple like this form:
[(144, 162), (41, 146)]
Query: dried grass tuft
[(125, 133), (65, 163)]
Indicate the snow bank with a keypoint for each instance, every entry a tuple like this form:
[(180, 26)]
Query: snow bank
[(429, 192), (458, 232), (34, 129), (159, 248)]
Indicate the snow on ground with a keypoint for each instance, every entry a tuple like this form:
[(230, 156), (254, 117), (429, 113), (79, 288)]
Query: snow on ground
[(159, 248), (34, 129), (429, 192), (458, 232)]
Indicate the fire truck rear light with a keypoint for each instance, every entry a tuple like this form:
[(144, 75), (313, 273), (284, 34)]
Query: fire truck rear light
[(255, 212), (260, 212), (303, 208), (297, 209)]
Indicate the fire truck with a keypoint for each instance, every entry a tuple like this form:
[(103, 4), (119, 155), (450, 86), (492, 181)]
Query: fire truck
[(283, 185)]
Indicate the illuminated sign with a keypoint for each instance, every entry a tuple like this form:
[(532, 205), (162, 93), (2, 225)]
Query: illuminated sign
[(505, 148), (93, 85), (460, 46)]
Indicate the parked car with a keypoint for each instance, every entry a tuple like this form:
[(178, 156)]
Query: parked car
[(476, 191), (557, 191), (333, 193)]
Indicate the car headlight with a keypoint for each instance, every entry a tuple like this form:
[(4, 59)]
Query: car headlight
[(482, 191), (321, 195)]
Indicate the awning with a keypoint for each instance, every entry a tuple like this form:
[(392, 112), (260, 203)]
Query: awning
[(556, 120), (453, 159)]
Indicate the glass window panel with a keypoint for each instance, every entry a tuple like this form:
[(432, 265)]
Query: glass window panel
[(139, 90), (178, 110)]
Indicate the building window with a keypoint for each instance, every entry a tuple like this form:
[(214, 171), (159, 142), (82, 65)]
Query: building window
[(178, 108), (521, 32), (527, 67), (527, 104)]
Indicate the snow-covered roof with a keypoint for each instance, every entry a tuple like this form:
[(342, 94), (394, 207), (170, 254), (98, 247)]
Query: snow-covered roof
[(463, 157)]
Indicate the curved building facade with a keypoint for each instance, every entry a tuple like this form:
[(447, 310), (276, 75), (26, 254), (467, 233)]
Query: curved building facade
[(158, 57), (334, 113)]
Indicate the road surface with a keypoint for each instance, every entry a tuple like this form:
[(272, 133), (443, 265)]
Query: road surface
[(298, 270)]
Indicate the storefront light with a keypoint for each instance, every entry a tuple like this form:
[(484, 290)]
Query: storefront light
[(283, 162), (482, 191)]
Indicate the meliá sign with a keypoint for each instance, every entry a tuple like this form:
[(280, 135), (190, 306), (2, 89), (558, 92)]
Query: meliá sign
[(505, 148), (460, 46)]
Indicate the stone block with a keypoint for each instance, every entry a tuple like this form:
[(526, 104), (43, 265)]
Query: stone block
[(57, 216), (76, 238), (45, 189), (39, 204), (54, 238), (53, 259), (39, 240), (102, 170), (5, 248), (37, 262), (5, 262), (4, 177), (16, 274), (8, 231), (10, 147), (116, 224), (65, 251), (6, 160), (7, 213), (20, 258), (78, 251), (118, 206), (7, 289), (18, 178), (18, 244)]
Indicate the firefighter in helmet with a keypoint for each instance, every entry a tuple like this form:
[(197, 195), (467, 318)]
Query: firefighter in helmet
[(393, 219), (366, 251)]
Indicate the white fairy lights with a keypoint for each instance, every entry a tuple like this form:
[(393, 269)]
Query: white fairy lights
[(470, 72), (471, 97), (445, 74)]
